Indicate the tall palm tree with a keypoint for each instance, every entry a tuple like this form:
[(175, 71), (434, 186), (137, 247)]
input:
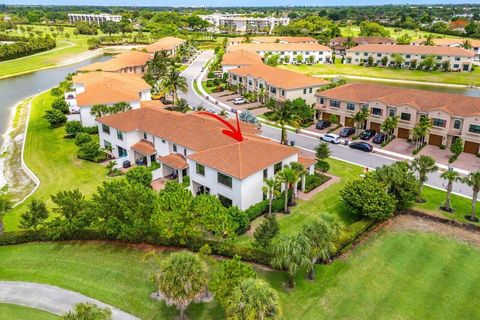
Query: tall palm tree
[(473, 181), (288, 176), (157, 68), (99, 110), (360, 118), (253, 299), (173, 83), (301, 172), (183, 278), (467, 44), (421, 130), (389, 126), (271, 189), (291, 253), (423, 165), (262, 94), (5, 205), (450, 176), (284, 115)]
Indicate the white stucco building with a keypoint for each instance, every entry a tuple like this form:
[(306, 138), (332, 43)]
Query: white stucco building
[(93, 18), (242, 23)]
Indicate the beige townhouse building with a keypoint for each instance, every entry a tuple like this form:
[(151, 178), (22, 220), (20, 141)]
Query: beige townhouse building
[(460, 59), (276, 83), (452, 115)]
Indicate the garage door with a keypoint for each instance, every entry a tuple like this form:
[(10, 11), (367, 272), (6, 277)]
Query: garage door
[(403, 133), (375, 126), (326, 116), (349, 122), (471, 147), (435, 140)]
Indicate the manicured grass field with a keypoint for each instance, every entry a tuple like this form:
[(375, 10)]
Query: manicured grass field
[(54, 161), (14, 312), (394, 275), (463, 78)]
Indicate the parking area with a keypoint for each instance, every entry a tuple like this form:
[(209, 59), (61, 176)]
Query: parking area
[(401, 146), (227, 97)]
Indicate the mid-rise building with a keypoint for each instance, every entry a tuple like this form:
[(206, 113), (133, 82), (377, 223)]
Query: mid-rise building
[(459, 59), (272, 39), (127, 62), (243, 23), (93, 18), (452, 115), (472, 44), (193, 145)]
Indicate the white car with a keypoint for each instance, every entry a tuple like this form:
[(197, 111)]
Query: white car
[(331, 137), (239, 101)]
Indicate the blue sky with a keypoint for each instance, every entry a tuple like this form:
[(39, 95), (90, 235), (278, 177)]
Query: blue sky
[(233, 2)]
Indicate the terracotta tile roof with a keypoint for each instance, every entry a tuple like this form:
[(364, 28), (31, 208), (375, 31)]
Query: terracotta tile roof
[(174, 160), (241, 58), (280, 78), (242, 159), (144, 147), (119, 62), (451, 42), (364, 40), (409, 49), (274, 39), (108, 88), (306, 162), (152, 104), (454, 104), (279, 47), (167, 43)]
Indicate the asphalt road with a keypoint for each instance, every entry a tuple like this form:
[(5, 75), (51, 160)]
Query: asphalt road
[(341, 152)]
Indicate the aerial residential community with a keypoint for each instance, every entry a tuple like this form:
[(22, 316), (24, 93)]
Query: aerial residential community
[(239, 162)]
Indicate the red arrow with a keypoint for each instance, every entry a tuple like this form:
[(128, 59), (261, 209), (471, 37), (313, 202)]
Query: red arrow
[(233, 132)]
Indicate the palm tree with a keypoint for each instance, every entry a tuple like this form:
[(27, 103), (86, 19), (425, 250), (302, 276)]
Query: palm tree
[(428, 40), (359, 119), (120, 107), (99, 110), (291, 253), (389, 126), (183, 278), (451, 176), (423, 165), (262, 94), (467, 44), (288, 176), (322, 234), (271, 188), (5, 205), (173, 83), (473, 181), (421, 130), (301, 172), (283, 114), (157, 68), (253, 299)]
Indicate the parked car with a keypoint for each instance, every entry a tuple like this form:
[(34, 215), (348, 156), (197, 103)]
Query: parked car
[(379, 138), (367, 134), (322, 124), (362, 146), (331, 137), (347, 132), (239, 101)]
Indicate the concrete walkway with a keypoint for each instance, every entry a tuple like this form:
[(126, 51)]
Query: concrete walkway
[(49, 298)]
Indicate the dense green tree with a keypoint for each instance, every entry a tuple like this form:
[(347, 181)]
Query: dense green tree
[(35, 215), (404, 39), (61, 105), (88, 311), (322, 152), (265, 232), (72, 211), (5, 205), (55, 117), (82, 138), (91, 151), (73, 128), (373, 29), (457, 147), (110, 27), (141, 174), (423, 165)]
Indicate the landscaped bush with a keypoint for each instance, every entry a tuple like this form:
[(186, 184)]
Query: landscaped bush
[(61, 105), (91, 130), (55, 117), (82, 138), (91, 151), (73, 128), (313, 181), (323, 166)]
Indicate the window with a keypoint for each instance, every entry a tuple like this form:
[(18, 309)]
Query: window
[(351, 106), (234, 77), (405, 116), (200, 169), (273, 90), (145, 136), (310, 90), (379, 54), (439, 122), (107, 145), (224, 179), (277, 167), (455, 66), (227, 202), (335, 103), (282, 93), (457, 124), (304, 91), (392, 112), (408, 56), (105, 129), (185, 152), (163, 141), (322, 100), (377, 111), (119, 135), (474, 128), (457, 58), (174, 147), (122, 152), (249, 82), (265, 174)]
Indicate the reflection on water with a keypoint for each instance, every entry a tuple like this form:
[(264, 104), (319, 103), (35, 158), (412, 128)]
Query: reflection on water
[(15, 89)]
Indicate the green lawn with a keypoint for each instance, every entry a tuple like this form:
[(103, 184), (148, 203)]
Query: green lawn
[(14, 312), (53, 159), (394, 275), (463, 78)]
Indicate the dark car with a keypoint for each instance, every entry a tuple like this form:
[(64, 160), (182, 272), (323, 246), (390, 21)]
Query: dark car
[(363, 146), (322, 124), (346, 132), (367, 134), (379, 138)]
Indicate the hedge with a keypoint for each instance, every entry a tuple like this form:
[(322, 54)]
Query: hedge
[(25, 48)]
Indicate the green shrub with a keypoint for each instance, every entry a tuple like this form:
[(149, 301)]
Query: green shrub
[(323, 166), (73, 128), (91, 130), (55, 117), (313, 181), (82, 138), (91, 151), (61, 105), (257, 210), (442, 146)]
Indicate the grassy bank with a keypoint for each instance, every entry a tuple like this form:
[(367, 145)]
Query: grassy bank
[(14, 312)]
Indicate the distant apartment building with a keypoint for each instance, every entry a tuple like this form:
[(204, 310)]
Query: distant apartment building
[(93, 18), (456, 43), (340, 44), (243, 23), (127, 62), (451, 115), (289, 53), (272, 39), (275, 83), (459, 58)]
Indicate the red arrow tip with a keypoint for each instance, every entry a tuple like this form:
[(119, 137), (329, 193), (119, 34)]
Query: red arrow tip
[(232, 132)]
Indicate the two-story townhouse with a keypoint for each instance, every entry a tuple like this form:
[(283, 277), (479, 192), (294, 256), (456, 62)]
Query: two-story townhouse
[(289, 53), (340, 44), (169, 44), (451, 115), (278, 39), (193, 145), (455, 42), (239, 58), (276, 83), (459, 59), (126, 62), (107, 88)]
